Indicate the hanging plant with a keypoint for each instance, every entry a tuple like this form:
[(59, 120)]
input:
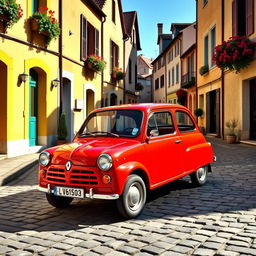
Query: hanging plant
[(181, 94), (118, 73), (10, 12), (44, 22), (204, 70), (234, 54), (96, 63)]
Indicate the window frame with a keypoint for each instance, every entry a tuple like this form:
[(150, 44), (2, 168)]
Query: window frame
[(187, 131)]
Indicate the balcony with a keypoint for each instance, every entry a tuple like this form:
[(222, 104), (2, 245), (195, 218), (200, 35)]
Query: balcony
[(188, 80)]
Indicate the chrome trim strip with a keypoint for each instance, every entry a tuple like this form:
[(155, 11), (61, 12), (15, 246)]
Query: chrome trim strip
[(91, 195)]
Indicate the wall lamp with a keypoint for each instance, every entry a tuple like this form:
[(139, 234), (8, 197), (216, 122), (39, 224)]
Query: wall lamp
[(55, 82), (23, 77)]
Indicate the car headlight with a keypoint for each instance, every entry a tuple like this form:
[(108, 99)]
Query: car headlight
[(44, 158), (104, 162)]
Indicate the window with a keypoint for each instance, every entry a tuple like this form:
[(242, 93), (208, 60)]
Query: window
[(37, 3), (160, 123), (162, 61), (157, 84), (173, 76), (162, 81), (177, 73), (170, 56), (206, 49), (159, 64), (242, 17), (130, 71), (169, 78), (184, 121), (213, 43), (89, 39), (114, 11), (114, 55)]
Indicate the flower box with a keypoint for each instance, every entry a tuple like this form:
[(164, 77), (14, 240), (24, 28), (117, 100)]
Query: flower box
[(118, 73), (95, 63)]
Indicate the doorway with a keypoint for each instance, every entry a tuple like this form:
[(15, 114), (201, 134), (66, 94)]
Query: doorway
[(33, 107), (3, 109), (213, 112), (113, 99), (66, 107), (253, 109)]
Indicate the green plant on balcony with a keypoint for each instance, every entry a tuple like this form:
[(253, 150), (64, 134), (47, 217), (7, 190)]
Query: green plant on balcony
[(203, 70), (234, 54), (118, 73), (44, 22), (10, 12), (95, 63)]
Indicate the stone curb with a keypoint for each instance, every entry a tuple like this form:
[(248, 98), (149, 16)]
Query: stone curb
[(17, 172)]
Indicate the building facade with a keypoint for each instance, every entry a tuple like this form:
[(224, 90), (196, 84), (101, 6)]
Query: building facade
[(226, 95), (58, 79)]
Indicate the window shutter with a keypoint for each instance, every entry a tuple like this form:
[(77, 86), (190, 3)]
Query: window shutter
[(96, 46), (249, 17), (83, 38), (112, 55), (235, 17), (116, 55)]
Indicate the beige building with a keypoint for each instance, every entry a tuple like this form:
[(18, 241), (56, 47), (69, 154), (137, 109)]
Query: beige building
[(131, 46)]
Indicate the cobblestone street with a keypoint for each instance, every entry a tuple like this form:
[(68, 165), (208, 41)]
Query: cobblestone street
[(216, 219)]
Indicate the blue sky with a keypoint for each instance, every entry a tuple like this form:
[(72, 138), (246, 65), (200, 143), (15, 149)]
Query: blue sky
[(151, 12)]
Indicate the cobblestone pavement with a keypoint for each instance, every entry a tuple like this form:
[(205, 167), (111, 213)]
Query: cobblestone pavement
[(216, 219)]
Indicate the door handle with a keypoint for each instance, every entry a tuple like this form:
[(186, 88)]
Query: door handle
[(178, 141)]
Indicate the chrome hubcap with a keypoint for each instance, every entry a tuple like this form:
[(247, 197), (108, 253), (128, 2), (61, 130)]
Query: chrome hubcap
[(201, 172), (134, 196)]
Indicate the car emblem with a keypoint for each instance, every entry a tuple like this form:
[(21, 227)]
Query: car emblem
[(68, 165)]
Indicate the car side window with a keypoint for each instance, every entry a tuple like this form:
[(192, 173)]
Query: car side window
[(160, 123), (184, 122)]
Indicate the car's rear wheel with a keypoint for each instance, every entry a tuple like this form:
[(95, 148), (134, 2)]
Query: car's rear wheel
[(133, 199), (58, 201), (199, 177)]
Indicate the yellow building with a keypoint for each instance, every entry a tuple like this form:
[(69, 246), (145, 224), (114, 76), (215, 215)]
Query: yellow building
[(226, 95), (57, 78)]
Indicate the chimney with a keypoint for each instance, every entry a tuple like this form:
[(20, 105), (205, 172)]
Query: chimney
[(160, 28)]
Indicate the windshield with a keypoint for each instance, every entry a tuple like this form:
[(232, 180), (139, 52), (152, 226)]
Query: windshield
[(114, 123)]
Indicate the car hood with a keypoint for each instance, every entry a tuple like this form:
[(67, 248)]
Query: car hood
[(86, 151)]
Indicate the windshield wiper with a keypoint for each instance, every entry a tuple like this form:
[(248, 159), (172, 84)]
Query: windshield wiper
[(108, 133), (85, 134)]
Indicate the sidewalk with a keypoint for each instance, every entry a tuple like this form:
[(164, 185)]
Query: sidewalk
[(12, 168)]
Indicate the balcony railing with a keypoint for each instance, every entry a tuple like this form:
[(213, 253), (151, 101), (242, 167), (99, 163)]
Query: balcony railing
[(188, 80)]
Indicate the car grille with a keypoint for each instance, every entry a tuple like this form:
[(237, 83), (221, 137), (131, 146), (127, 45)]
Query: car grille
[(76, 176)]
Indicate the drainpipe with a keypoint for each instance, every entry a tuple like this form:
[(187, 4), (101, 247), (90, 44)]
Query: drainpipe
[(196, 57), (126, 38), (222, 72), (165, 70), (102, 55), (60, 57)]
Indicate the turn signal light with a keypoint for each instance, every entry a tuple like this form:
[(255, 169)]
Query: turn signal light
[(42, 173), (106, 179)]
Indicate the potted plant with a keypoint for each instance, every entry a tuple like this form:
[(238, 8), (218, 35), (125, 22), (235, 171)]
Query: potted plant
[(62, 130), (43, 22), (10, 13), (118, 73), (95, 63), (198, 112), (231, 136), (234, 54), (204, 70)]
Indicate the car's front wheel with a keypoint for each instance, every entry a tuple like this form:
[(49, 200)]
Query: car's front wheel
[(58, 201), (199, 177), (133, 199)]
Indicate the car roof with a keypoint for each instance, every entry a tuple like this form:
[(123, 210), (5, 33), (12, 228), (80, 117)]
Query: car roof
[(142, 106)]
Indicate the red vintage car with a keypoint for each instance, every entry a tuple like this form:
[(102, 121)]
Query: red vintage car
[(122, 152)]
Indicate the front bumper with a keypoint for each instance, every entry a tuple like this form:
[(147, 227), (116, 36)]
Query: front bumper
[(89, 195)]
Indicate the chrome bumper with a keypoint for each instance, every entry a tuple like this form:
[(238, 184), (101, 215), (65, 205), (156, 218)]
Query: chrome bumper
[(89, 195)]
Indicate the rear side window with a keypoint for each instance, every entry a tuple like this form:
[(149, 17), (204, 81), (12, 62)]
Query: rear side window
[(160, 123), (184, 122)]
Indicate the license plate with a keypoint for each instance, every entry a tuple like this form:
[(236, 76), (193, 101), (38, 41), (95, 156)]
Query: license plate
[(69, 192)]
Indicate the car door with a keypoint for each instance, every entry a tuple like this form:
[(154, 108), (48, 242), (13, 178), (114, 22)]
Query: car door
[(163, 147), (190, 139)]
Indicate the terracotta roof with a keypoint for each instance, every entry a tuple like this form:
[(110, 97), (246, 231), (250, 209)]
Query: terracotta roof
[(146, 60), (99, 3)]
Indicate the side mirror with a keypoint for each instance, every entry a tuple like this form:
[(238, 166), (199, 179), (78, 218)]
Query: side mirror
[(154, 133)]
